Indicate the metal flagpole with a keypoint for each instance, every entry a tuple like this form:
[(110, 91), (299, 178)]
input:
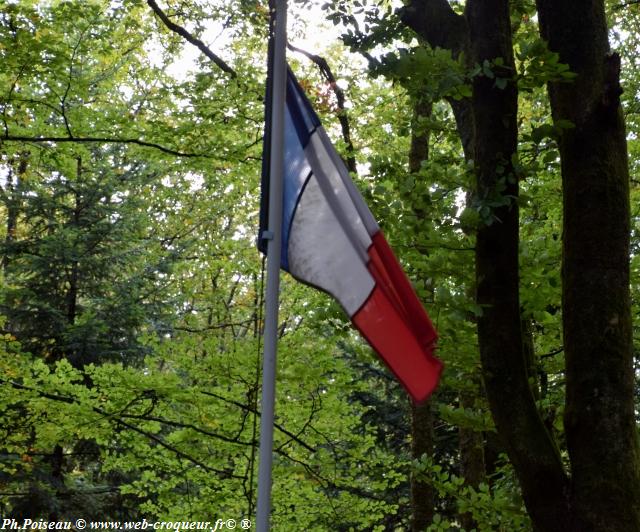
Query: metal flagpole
[(274, 246)]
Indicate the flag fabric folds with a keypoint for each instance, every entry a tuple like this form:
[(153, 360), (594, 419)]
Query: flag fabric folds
[(330, 240)]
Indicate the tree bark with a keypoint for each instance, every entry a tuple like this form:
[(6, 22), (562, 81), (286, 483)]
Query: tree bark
[(484, 32), (419, 150), (56, 461), (472, 464), (599, 413), (422, 493), (528, 444)]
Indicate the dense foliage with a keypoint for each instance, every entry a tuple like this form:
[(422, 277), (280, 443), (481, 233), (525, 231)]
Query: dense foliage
[(131, 290)]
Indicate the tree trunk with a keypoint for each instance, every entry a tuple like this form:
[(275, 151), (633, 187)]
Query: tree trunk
[(56, 461), (71, 353), (528, 444), (422, 493), (484, 32), (599, 413), (530, 356), (13, 203), (472, 465)]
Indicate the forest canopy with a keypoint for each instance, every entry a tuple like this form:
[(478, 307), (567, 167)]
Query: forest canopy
[(497, 145)]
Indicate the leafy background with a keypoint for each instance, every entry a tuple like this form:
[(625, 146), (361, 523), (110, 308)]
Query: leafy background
[(131, 293)]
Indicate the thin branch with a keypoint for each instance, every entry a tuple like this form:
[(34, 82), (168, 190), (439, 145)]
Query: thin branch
[(178, 424), (177, 452), (424, 248), (552, 353), (626, 4), (46, 395), (190, 38), (325, 70), (356, 490), (258, 413), (33, 102), (11, 91), (108, 140), (63, 101), (117, 418), (312, 412), (212, 327), (119, 421)]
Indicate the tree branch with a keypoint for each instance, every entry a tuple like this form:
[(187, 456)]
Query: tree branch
[(116, 419), (22, 138), (63, 101), (6, 102), (185, 328), (552, 353), (326, 72), (190, 38), (313, 411), (258, 413), (437, 23), (177, 452), (178, 424), (626, 4)]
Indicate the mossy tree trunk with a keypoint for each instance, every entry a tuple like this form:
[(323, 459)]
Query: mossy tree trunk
[(483, 32), (528, 444), (599, 413)]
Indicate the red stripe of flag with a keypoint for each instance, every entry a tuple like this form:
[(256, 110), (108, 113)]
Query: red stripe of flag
[(396, 325)]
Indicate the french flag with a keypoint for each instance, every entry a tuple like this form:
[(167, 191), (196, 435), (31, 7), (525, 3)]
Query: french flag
[(330, 240)]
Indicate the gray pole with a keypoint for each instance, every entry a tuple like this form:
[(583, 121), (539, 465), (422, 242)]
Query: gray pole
[(274, 247)]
